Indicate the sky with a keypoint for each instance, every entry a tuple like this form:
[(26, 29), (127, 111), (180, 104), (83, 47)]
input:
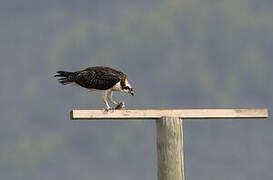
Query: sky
[(177, 54)]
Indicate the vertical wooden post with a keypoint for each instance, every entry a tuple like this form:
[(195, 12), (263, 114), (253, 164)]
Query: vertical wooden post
[(169, 137)]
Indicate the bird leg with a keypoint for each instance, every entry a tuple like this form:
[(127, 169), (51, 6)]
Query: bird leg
[(109, 96), (119, 105), (104, 97)]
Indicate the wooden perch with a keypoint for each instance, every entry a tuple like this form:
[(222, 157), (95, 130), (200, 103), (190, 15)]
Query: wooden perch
[(181, 113), (169, 130)]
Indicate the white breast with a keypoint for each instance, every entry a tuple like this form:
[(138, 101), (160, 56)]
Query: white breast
[(117, 87)]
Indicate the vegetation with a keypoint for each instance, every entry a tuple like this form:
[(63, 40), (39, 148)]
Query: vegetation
[(178, 54)]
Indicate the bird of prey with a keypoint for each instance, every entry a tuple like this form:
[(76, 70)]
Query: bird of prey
[(100, 78)]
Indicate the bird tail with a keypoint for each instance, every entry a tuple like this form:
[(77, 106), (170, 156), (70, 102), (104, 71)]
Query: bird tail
[(65, 77)]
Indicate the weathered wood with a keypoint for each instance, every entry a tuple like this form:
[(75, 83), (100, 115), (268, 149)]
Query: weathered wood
[(169, 136), (181, 113)]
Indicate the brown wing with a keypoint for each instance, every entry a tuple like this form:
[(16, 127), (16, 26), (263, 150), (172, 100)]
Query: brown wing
[(100, 78)]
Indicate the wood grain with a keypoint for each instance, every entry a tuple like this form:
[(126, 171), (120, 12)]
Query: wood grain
[(169, 140)]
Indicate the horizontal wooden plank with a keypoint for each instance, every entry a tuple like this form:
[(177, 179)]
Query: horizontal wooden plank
[(181, 113)]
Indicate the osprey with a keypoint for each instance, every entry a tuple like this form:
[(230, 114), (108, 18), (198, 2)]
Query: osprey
[(100, 78)]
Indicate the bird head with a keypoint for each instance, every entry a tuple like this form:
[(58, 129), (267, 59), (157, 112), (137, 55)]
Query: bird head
[(128, 89)]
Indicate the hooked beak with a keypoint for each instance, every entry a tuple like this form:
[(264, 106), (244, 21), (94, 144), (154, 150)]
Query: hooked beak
[(132, 92)]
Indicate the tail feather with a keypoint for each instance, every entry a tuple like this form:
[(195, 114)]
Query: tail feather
[(65, 77)]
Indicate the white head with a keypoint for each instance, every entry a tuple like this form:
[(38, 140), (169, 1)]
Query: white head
[(128, 88)]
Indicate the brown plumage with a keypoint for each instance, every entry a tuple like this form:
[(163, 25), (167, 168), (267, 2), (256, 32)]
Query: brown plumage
[(98, 78)]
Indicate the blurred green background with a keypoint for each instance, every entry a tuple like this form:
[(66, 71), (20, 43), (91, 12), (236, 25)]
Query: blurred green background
[(177, 53)]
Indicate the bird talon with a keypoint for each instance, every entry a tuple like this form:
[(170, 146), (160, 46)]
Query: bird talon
[(109, 109)]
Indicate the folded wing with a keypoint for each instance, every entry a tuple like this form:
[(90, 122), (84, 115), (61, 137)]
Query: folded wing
[(100, 78)]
